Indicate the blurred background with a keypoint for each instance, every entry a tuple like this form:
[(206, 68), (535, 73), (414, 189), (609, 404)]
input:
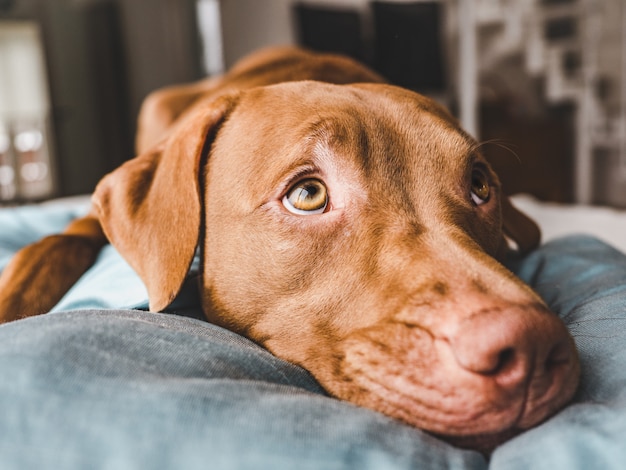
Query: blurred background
[(541, 82)]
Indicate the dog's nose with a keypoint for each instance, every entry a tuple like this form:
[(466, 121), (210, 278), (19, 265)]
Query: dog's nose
[(513, 346)]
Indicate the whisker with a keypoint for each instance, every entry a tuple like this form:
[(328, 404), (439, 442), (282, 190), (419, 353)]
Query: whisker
[(500, 143)]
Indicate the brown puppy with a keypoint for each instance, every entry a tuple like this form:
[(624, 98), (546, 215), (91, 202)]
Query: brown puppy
[(351, 229)]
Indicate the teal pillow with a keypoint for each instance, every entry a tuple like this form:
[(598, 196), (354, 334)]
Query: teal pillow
[(129, 389)]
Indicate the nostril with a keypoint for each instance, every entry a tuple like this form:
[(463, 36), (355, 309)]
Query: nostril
[(512, 367), (496, 344), (506, 357), (512, 346), (488, 361), (486, 357)]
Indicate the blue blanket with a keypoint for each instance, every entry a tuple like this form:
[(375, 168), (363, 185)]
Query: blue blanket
[(109, 387)]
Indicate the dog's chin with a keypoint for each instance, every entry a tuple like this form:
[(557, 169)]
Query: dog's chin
[(483, 433), (481, 430), (474, 427), (483, 443)]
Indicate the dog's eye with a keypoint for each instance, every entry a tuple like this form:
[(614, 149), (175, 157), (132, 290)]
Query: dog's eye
[(307, 197), (480, 187)]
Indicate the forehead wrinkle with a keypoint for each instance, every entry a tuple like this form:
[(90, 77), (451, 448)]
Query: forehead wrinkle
[(322, 145), (444, 148), (343, 135)]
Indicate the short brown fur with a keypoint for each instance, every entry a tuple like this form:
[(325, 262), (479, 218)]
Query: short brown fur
[(393, 298)]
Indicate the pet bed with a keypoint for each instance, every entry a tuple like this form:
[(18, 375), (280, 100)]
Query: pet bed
[(100, 384)]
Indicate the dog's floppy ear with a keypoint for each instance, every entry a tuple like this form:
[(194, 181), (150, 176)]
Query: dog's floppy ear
[(150, 207), (519, 227)]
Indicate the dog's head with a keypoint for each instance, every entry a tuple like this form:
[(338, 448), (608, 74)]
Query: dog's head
[(353, 230)]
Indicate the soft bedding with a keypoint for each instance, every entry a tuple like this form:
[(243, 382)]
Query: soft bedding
[(558, 220), (104, 386)]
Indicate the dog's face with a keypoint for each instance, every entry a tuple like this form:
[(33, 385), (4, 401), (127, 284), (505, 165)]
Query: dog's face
[(353, 230)]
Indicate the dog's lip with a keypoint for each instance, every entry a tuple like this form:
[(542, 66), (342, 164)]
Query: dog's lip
[(484, 427), (468, 404), (529, 418), (565, 377), (440, 421), (460, 433)]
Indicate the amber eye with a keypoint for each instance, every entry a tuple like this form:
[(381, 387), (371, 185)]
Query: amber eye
[(306, 197), (480, 187)]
